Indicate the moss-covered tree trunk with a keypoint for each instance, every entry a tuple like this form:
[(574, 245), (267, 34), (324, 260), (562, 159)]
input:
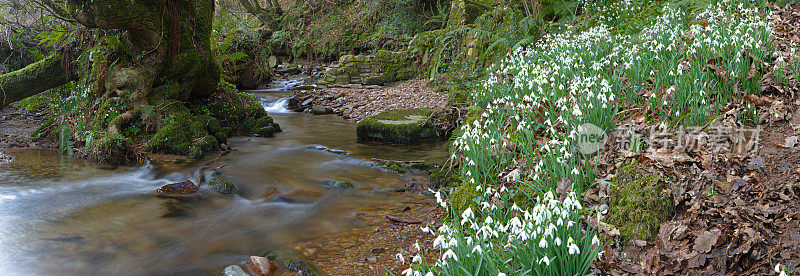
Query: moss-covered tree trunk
[(38, 77), (163, 78)]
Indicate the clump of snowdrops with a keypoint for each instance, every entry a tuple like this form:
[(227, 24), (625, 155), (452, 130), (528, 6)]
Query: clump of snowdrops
[(535, 106)]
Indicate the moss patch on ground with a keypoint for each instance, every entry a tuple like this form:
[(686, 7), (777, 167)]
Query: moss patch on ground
[(463, 197), (638, 205), (398, 126)]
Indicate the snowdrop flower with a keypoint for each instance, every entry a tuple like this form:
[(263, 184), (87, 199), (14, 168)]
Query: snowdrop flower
[(416, 259), (544, 260), (425, 229), (573, 249), (543, 243), (558, 241), (449, 254), (595, 241), (399, 256), (478, 249), (467, 215)]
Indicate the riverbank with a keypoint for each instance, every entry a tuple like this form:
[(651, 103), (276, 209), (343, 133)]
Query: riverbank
[(357, 102), (17, 128)]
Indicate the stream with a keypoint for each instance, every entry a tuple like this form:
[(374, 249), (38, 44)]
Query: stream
[(70, 216)]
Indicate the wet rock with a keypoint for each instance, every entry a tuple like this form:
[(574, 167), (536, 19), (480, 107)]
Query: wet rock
[(288, 70), (233, 270), (398, 126), (294, 261), (395, 190), (270, 195), (294, 103), (413, 186), (326, 149), (338, 184), (259, 266), (319, 109), (180, 190), (223, 185), (5, 158)]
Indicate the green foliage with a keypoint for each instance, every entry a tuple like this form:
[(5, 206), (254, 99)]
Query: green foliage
[(749, 116), (637, 203), (470, 49)]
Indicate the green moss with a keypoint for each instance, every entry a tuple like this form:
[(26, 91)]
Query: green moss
[(398, 126), (186, 135), (195, 152), (236, 113), (463, 197), (394, 66), (223, 185), (392, 166), (638, 204), (525, 196), (444, 177)]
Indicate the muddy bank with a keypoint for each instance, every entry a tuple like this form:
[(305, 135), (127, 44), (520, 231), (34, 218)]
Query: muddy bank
[(356, 102), (17, 128)]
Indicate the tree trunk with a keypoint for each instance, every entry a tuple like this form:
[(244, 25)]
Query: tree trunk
[(163, 80), (269, 15), (38, 77)]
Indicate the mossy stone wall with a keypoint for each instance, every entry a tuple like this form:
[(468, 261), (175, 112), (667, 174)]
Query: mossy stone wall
[(379, 69)]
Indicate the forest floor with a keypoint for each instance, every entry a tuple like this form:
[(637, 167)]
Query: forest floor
[(736, 212)]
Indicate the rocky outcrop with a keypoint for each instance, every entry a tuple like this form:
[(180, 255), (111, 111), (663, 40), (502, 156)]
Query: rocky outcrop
[(379, 69), (398, 126)]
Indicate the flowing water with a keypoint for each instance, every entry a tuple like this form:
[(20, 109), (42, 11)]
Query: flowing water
[(68, 217)]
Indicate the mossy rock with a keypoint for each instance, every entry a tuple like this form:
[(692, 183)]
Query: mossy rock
[(185, 135), (637, 203), (338, 184), (398, 126), (223, 185), (236, 113)]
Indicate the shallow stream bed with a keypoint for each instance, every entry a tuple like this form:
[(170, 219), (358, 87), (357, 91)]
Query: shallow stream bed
[(67, 217)]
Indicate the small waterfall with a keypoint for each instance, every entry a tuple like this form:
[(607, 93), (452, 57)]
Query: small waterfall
[(278, 106)]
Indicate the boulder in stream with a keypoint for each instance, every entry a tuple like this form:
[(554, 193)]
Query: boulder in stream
[(223, 185), (259, 266), (181, 190), (398, 126), (233, 270)]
